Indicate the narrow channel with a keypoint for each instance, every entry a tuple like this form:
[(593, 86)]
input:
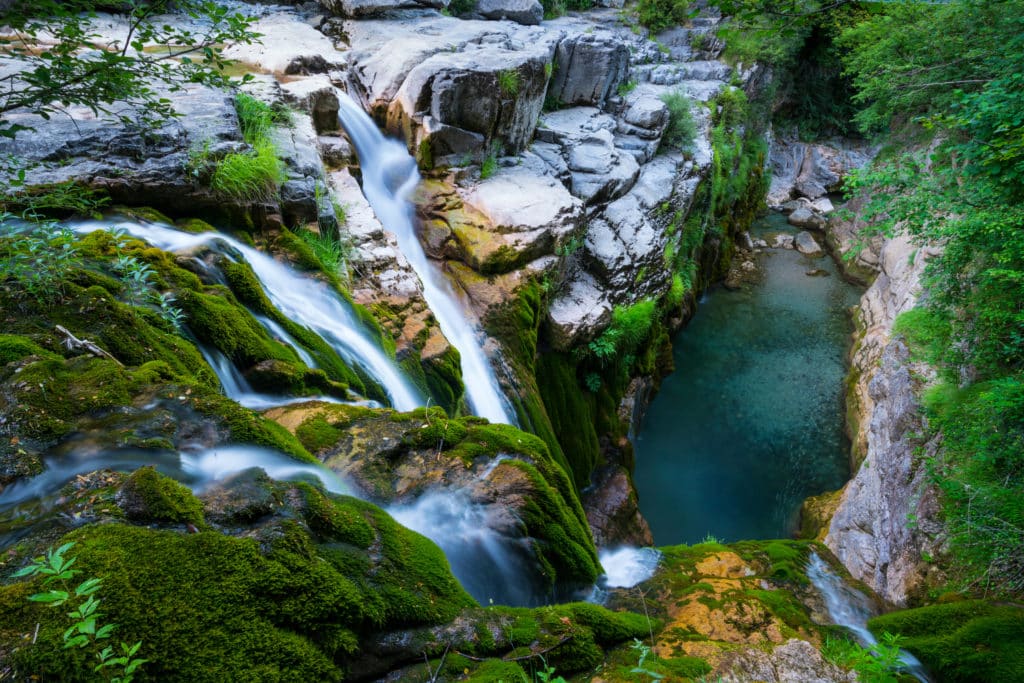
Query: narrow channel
[(751, 421)]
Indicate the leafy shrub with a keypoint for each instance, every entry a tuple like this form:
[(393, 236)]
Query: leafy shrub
[(41, 261), (659, 15), (681, 129)]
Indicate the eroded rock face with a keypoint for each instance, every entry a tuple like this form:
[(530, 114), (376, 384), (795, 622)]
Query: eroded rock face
[(870, 532), (795, 661), (812, 170), (588, 68), (527, 12), (369, 8)]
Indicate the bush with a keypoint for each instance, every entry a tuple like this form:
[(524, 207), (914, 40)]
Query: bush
[(681, 129), (659, 15), (508, 81)]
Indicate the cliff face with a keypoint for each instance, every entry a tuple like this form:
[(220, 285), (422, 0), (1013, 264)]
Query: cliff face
[(884, 524)]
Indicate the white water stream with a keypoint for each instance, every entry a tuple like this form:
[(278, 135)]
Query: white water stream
[(304, 300), (389, 176), (851, 609)]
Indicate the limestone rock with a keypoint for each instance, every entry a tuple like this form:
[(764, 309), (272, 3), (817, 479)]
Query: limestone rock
[(288, 46), (613, 510), (527, 12), (869, 531), (812, 170), (317, 97), (806, 218), (795, 661), (807, 245), (579, 309), (588, 69), (367, 8)]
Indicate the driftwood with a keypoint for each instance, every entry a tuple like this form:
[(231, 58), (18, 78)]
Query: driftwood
[(70, 341)]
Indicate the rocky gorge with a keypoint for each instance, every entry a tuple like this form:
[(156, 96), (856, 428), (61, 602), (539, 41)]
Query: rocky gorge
[(258, 415)]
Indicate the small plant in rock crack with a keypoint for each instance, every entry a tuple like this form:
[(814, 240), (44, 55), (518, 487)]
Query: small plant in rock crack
[(643, 652), (86, 628)]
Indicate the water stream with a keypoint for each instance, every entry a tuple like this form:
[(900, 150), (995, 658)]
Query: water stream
[(750, 422), (851, 609), (306, 301), (389, 177)]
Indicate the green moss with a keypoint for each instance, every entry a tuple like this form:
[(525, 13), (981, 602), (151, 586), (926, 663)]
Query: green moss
[(972, 641), (573, 413), (317, 433), (283, 607), (245, 426), (218, 320), (154, 497), (497, 670), (14, 348)]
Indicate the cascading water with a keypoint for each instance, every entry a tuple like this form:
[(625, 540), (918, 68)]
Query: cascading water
[(237, 388), (22, 503), (491, 567), (304, 300), (851, 609), (389, 176)]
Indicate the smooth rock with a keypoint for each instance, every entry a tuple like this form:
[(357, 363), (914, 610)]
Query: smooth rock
[(807, 245), (527, 12), (805, 218)]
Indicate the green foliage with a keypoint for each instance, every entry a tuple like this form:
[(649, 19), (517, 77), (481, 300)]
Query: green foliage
[(333, 252), (962, 642), (255, 117), (81, 67), (85, 629), (659, 15), (681, 129), (40, 261), (460, 7), (626, 87), (878, 664), (630, 327), (926, 334), (508, 82), (489, 165), (964, 193), (249, 176)]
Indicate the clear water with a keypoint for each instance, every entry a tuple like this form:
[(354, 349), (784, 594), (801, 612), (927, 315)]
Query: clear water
[(750, 422)]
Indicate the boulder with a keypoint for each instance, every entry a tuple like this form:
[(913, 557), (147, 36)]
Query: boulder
[(588, 69), (806, 218), (317, 97), (526, 12), (471, 101), (288, 46), (368, 8), (613, 510), (807, 245)]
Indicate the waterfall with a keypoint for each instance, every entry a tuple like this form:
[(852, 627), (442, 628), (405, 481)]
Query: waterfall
[(490, 566), (237, 388), (22, 502), (851, 609), (627, 566), (389, 176), (304, 300)]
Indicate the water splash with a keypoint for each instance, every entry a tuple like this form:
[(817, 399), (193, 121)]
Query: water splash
[(627, 566), (850, 608), (490, 566), (306, 301), (389, 176)]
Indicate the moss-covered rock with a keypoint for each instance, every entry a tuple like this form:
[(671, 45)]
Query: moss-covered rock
[(397, 457), (715, 600), (148, 496), (292, 602), (971, 641)]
